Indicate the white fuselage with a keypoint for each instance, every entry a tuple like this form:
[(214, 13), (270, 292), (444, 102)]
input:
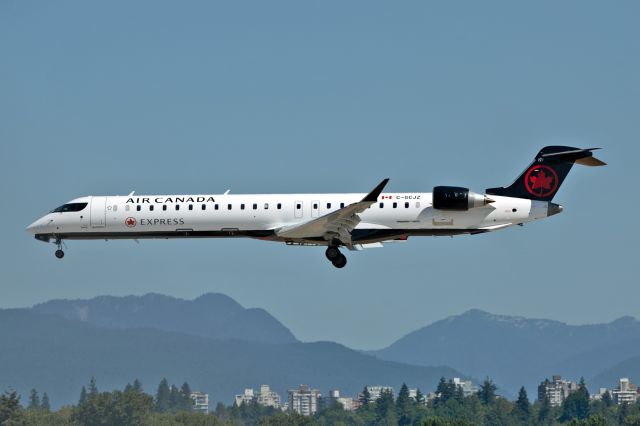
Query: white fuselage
[(393, 216)]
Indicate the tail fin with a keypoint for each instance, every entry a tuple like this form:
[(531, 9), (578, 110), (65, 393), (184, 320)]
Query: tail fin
[(542, 179)]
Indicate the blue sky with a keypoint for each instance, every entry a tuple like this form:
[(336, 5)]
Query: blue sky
[(199, 97)]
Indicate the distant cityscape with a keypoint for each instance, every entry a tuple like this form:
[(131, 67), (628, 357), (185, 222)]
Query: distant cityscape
[(307, 401)]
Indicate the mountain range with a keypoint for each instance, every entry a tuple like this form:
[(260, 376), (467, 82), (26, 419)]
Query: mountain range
[(517, 351), (57, 346), (211, 315), (220, 347)]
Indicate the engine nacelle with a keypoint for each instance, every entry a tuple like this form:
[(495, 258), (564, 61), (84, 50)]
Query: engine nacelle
[(457, 198)]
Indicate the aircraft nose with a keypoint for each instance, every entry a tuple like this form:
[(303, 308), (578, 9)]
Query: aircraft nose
[(35, 226), (31, 228)]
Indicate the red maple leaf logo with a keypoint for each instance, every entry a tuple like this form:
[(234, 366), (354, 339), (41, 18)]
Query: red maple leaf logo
[(130, 222), (542, 181)]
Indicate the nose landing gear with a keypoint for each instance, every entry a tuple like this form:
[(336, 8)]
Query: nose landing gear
[(59, 253), (335, 257)]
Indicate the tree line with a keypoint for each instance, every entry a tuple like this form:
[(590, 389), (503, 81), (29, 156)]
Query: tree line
[(172, 405)]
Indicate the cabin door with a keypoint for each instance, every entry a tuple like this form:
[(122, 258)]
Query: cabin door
[(98, 212)]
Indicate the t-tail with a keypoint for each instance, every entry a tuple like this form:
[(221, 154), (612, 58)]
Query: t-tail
[(542, 179)]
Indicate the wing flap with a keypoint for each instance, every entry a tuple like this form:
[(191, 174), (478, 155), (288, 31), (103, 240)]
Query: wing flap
[(337, 224)]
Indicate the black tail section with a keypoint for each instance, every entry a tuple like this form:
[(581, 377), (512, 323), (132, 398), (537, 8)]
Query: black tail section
[(542, 179)]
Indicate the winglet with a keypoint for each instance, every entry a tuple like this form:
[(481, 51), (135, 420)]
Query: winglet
[(372, 197)]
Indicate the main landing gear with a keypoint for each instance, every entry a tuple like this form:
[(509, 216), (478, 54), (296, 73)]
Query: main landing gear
[(59, 252), (335, 257)]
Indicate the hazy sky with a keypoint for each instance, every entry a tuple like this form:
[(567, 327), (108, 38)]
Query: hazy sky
[(199, 97)]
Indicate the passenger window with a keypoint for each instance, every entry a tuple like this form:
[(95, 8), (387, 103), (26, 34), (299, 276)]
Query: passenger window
[(242, 206), (381, 205), (151, 208), (138, 207), (279, 206), (164, 207), (395, 205), (406, 205), (190, 206), (417, 204), (255, 206), (342, 205), (328, 205), (177, 207), (127, 207), (228, 206), (204, 207), (315, 205), (115, 207), (266, 206), (298, 206), (215, 207)]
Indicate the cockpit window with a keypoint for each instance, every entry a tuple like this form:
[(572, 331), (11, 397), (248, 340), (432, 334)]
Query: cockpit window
[(71, 207)]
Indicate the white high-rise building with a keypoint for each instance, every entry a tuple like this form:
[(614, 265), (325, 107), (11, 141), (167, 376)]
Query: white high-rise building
[(268, 397), (200, 402), (626, 392), (304, 400), (556, 391), (246, 397), (376, 391), (468, 388), (335, 398)]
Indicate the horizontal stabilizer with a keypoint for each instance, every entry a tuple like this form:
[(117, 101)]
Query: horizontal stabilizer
[(590, 161), (580, 156)]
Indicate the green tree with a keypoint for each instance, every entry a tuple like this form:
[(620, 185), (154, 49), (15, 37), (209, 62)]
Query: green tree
[(34, 400), (83, 396), (442, 390), (419, 397), (487, 392), (385, 409), (45, 405), (113, 408), (175, 399), (185, 397), (576, 405), (10, 409), (522, 409), (137, 386), (93, 389), (404, 406), (544, 411), (366, 397), (285, 419), (162, 396), (606, 399), (447, 390)]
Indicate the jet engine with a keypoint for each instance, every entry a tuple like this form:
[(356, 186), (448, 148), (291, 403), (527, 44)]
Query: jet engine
[(457, 198)]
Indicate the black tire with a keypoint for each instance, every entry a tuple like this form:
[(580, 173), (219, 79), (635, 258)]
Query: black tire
[(332, 253), (340, 261), (59, 254)]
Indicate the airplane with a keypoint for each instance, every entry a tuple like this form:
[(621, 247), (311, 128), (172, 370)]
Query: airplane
[(354, 221)]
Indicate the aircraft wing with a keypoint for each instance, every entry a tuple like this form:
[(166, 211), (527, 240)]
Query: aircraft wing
[(337, 224)]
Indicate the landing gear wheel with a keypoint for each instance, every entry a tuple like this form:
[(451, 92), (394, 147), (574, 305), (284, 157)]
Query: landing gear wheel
[(340, 261), (59, 254), (332, 253)]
